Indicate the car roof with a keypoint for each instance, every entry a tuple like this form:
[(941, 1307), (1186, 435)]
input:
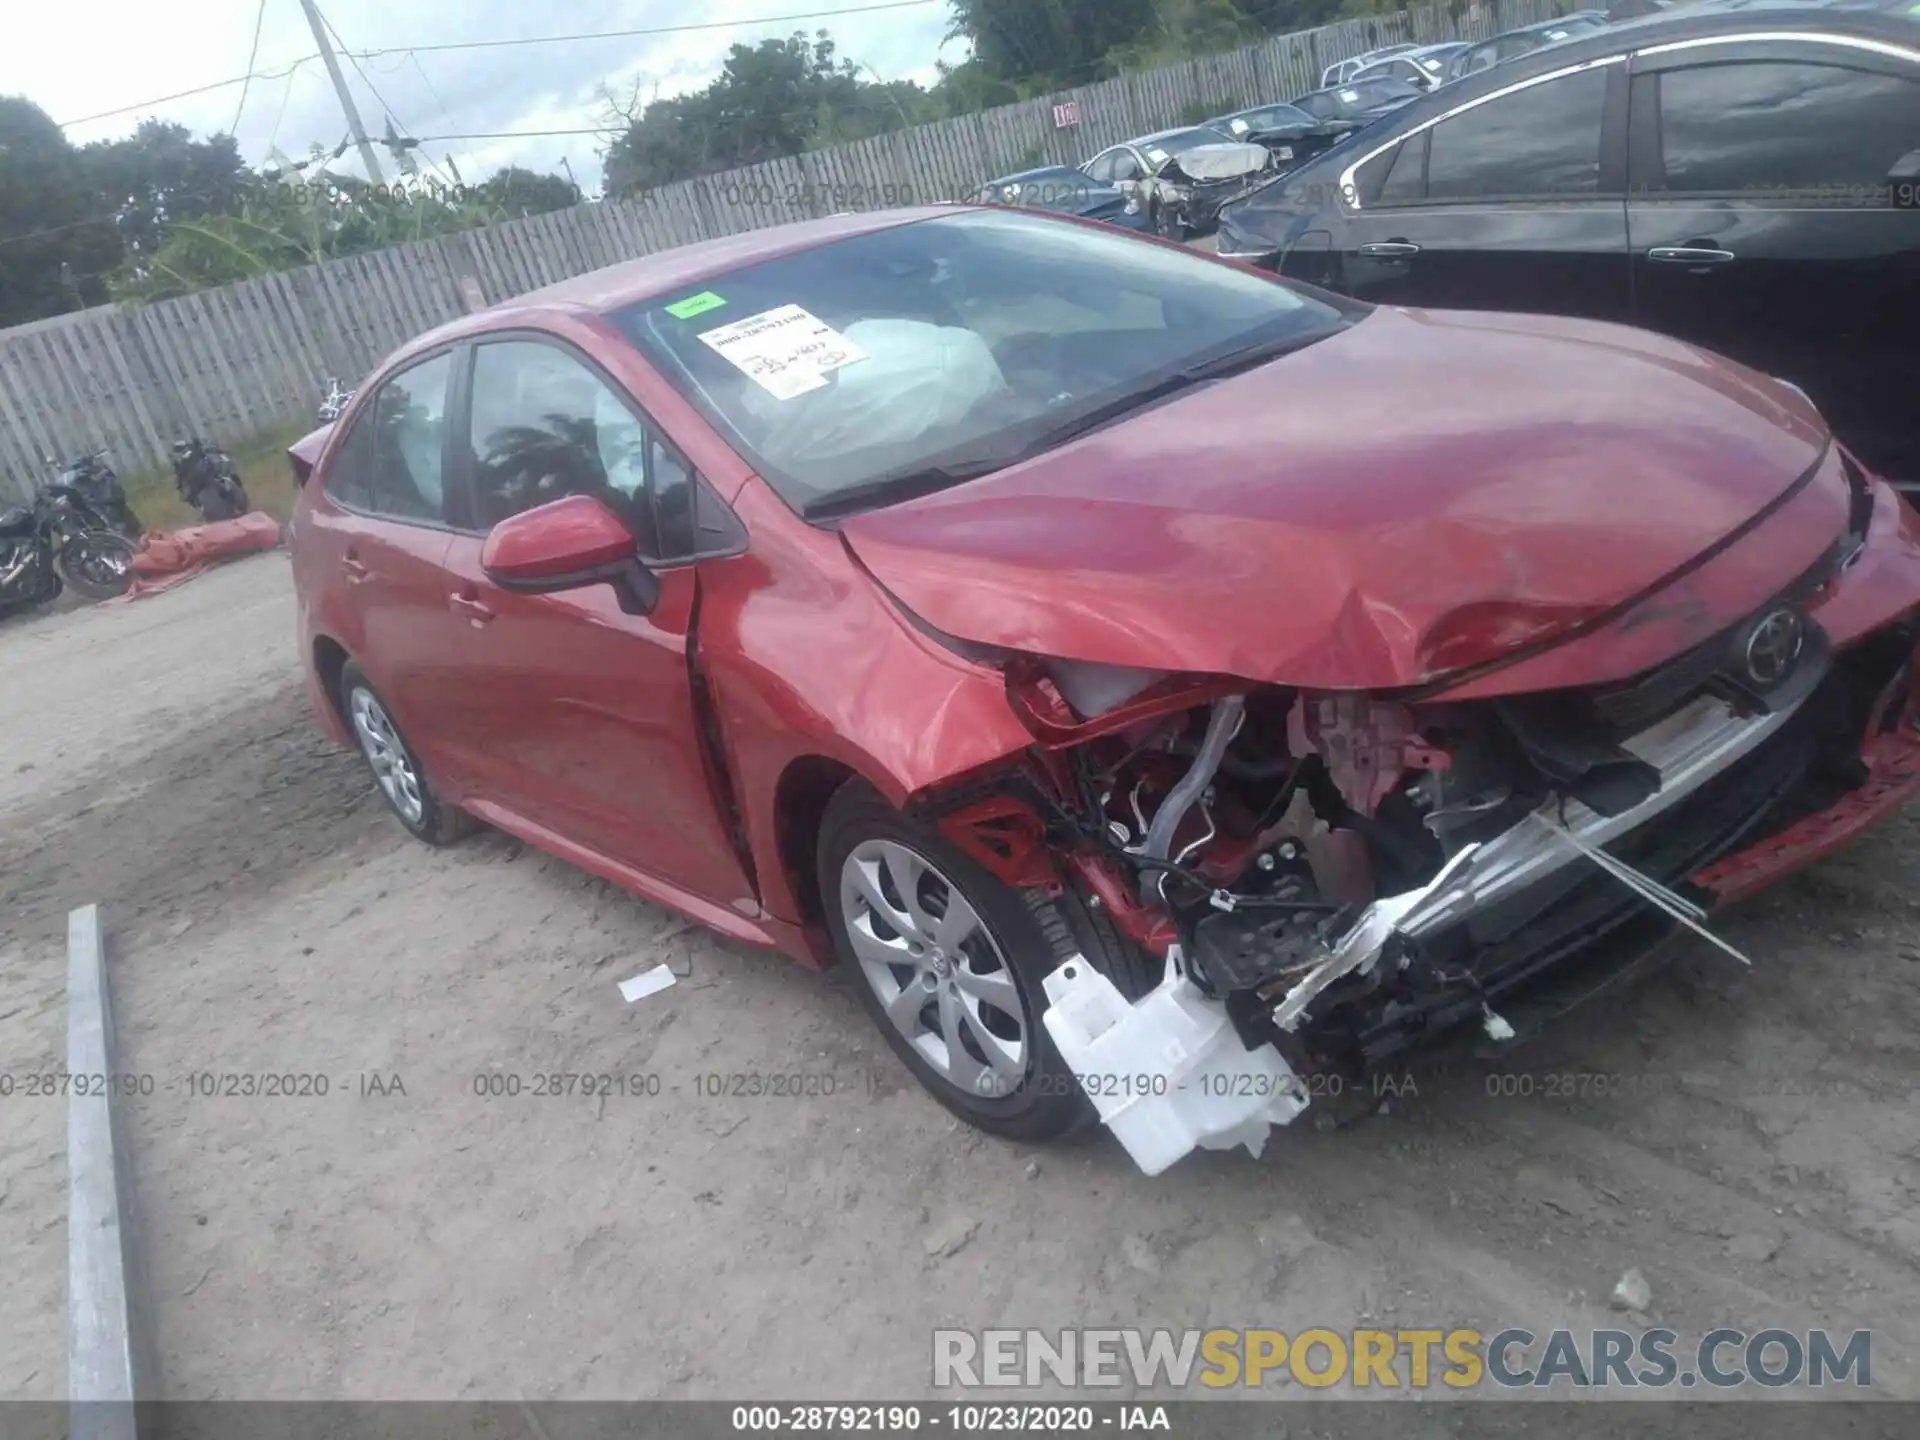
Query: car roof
[(664, 271), (1161, 135), (1887, 19)]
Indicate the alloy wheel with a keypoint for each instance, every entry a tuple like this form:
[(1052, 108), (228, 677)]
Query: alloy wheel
[(939, 973), (388, 756)]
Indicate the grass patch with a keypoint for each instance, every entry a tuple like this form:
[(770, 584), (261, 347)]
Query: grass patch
[(262, 462)]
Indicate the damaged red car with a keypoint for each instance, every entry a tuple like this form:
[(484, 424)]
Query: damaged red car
[(1163, 686)]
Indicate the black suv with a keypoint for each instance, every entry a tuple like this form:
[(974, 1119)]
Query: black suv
[(1744, 176)]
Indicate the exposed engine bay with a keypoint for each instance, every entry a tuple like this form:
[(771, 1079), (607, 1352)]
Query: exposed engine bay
[(1342, 876)]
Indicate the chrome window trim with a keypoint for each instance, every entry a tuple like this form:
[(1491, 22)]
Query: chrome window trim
[(1810, 37), (1350, 197)]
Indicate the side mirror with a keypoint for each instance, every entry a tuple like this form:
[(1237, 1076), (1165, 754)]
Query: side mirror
[(1903, 181), (569, 544)]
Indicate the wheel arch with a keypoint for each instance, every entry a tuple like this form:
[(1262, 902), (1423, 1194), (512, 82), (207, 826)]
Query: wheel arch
[(800, 799)]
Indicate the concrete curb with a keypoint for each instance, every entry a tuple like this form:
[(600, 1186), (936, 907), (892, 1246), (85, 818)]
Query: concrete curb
[(104, 1372)]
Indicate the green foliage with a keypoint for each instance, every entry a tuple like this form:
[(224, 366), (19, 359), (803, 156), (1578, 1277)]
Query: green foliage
[(519, 191), (1065, 42), (772, 100), (281, 224), (51, 258), (161, 176)]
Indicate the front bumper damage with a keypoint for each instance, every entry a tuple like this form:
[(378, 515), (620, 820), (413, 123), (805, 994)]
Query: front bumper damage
[(1743, 798)]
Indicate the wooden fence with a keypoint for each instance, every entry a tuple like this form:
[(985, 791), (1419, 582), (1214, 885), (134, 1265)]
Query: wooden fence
[(231, 362)]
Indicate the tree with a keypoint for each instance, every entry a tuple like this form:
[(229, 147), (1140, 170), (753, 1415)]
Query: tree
[(520, 191), (771, 100), (55, 249), (1061, 42), (160, 176)]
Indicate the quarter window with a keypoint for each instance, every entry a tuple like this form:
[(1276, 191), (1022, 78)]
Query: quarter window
[(545, 426), (1540, 141), (1758, 126), (404, 444)]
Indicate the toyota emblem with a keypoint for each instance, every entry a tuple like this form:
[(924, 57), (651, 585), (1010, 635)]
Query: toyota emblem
[(1773, 647)]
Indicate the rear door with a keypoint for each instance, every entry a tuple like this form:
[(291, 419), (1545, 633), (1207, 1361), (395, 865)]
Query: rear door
[(1514, 200), (378, 546), (1767, 221), (582, 716)]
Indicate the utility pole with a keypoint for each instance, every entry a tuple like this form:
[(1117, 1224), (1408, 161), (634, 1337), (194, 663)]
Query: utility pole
[(332, 62)]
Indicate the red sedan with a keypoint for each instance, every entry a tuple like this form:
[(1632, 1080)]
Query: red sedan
[(1164, 685)]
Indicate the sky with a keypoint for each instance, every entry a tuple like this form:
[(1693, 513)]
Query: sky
[(138, 50)]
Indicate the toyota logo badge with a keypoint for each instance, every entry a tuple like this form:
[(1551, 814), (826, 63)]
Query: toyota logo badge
[(1774, 646)]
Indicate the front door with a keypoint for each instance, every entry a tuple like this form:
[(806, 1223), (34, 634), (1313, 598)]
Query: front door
[(1512, 203), (584, 714), (1764, 225)]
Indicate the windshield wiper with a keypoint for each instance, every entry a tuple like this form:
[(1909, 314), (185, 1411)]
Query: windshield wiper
[(1218, 368), (908, 485)]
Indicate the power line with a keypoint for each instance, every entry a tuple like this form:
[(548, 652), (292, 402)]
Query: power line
[(648, 30), (197, 90), (498, 44), (253, 54)]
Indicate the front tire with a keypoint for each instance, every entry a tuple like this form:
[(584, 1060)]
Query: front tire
[(948, 961), (396, 771), (1169, 224), (97, 564)]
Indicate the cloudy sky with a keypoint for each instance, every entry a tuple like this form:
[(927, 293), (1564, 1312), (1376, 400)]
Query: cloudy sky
[(134, 51)]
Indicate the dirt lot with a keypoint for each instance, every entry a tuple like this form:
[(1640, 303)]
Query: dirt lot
[(1749, 1141)]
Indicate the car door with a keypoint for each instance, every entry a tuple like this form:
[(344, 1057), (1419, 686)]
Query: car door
[(1513, 200), (378, 545), (1770, 221), (586, 713)]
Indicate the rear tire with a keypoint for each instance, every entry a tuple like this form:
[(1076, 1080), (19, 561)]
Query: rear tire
[(889, 885), (396, 770)]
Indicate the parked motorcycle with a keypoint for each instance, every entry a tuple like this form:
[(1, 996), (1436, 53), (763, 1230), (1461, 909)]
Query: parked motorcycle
[(208, 481), (334, 403), (98, 498), (48, 545)]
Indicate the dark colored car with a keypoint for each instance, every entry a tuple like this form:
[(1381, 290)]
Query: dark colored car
[(1743, 178), (1289, 132), (1065, 190), (1359, 102), (1528, 38), (1138, 670)]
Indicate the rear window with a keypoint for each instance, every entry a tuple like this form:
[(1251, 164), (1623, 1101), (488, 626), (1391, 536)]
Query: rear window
[(963, 336)]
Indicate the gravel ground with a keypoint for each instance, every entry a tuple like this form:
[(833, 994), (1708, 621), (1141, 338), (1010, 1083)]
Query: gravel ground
[(1750, 1143)]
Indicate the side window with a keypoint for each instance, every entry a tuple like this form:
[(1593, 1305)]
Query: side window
[(408, 435), (1407, 179), (1783, 125), (1481, 57), (1125, 167), (1101, 166), (349, 478), (1541, 141), (545, 426)]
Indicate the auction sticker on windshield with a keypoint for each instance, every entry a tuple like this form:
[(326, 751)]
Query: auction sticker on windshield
[(787, 351)]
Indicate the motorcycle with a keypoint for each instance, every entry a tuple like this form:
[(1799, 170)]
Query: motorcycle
[(98, 498), (208, 481), (48, 545), (334, 403)]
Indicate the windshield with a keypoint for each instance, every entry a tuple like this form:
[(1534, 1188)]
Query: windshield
[(1349, 100), (957, 344)]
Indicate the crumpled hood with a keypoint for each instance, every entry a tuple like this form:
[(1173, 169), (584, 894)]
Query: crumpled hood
[(1423, 493)]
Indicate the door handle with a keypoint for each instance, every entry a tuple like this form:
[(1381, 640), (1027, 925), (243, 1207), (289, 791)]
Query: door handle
[(1389, 249), (475, 610), (1690, 255), (355, 570)]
